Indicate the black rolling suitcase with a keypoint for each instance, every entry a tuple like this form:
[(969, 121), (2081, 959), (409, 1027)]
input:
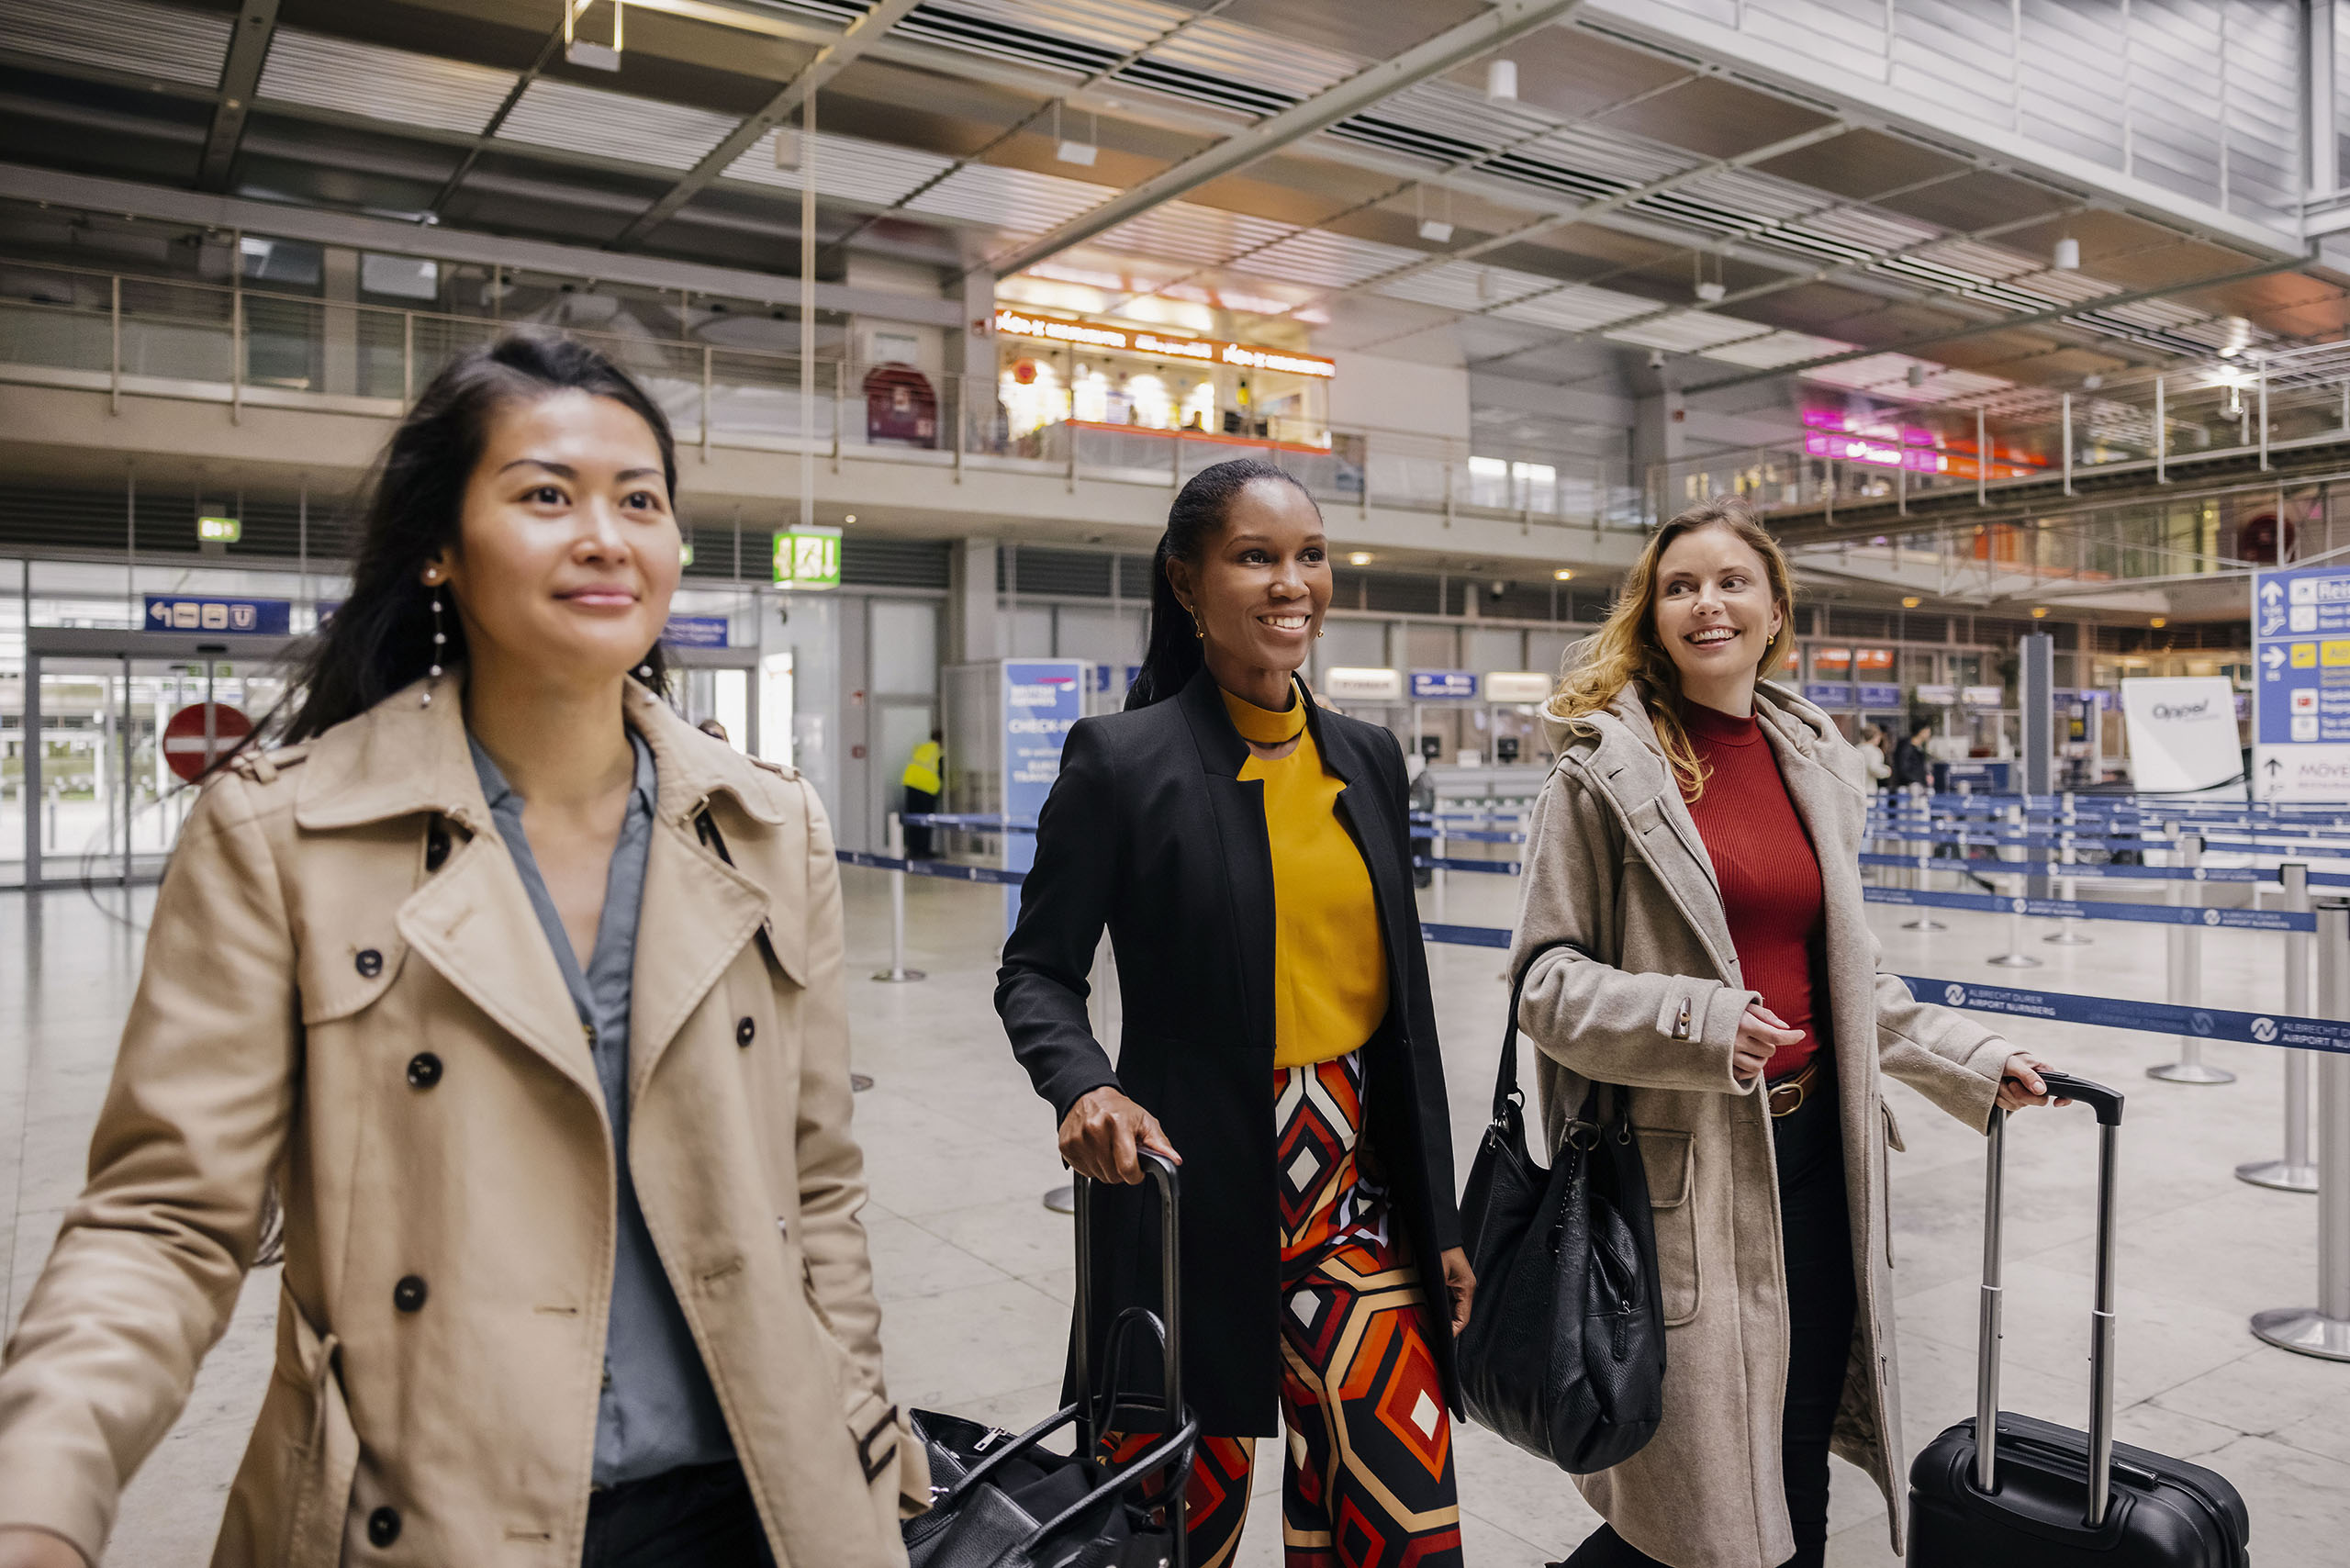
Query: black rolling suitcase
[(2041, 1496), (1004, 1501)]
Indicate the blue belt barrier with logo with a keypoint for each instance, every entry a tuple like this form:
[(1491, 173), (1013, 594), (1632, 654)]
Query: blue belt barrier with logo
[(2075, 909), (2030, 867), (1448, 863), (2155, 1017), (946, 870), (1466, 935)]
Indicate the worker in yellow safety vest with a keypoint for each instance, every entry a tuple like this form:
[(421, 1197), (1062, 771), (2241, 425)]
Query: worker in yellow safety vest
[(924, 787)]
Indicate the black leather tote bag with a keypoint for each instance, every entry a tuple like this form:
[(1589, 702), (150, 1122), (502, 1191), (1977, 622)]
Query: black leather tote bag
[(1564, 1350)]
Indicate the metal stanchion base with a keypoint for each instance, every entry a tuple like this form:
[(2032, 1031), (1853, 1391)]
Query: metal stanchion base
[(1061, 1200), (2190, 1073), (899, 977), (2014, 961), (858, 1082), (2280, 1174), (1923, 923), (2069, 939), (2304, 1330)]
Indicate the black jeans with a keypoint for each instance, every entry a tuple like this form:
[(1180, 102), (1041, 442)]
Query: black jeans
[(1816, 1233), (919, 803), (697, 1517)]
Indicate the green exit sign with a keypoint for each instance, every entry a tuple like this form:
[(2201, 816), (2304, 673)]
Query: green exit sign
[(807, 558), (218, 530)]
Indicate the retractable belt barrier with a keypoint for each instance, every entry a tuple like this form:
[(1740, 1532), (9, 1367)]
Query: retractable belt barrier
[(2076, 909), (2059, 868), (2153, 1017)]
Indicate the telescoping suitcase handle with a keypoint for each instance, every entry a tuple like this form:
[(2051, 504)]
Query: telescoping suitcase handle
[(1159, 1171), (2107, 1104)]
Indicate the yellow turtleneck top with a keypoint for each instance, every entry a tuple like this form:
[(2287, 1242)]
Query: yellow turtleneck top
[(1330, 960)]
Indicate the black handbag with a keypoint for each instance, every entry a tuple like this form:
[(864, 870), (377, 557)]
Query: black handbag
[(1563, 1353), (1006, 1501)]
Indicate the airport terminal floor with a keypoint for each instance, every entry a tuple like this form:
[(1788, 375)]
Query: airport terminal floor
[(974, 1271)]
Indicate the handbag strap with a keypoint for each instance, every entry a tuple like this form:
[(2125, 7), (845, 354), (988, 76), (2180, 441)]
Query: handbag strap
[(1506, 1092)]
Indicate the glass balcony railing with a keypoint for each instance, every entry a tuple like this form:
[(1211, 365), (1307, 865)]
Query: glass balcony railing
[(124, 334)]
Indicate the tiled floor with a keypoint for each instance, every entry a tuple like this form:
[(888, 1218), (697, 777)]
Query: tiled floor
[(974, 1270)]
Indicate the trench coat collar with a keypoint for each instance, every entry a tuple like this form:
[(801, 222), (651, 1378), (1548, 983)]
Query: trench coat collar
[(404, 756), (474, 922)]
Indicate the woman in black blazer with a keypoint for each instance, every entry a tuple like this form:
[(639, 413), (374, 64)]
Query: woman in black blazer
[(1250, 854)]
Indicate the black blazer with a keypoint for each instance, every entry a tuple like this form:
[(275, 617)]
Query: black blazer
[(1149, 831)]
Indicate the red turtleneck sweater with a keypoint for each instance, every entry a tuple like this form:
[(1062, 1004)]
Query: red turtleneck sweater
[(1769, 875)]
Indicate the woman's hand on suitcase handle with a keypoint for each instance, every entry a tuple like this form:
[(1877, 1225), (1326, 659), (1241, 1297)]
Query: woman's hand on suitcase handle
[(1461, 1282), (1100, 1136), (2021, 1084), (1760, 1031)]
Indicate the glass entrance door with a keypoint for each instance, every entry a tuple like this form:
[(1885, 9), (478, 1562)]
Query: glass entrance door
[(104, 800)]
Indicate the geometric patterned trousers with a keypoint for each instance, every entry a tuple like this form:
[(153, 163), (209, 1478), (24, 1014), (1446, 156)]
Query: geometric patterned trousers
[(1367, 1481)]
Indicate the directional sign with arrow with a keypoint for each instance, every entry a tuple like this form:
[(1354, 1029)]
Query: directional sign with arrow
[(2302, 700)]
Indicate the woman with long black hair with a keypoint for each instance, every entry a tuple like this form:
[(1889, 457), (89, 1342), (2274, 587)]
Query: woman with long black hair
[(528, 997), (1249, 853)]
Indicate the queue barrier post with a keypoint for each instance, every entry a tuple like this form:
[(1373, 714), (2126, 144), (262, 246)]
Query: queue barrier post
[(2294, 1172), (1436, 873), (2187, 970), (1922, 878), (2068, 932), (2015, 958), (2324, 1330), (897, 973)]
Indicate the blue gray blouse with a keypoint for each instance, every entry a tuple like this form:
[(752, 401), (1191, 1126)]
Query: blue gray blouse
[(658, 1410)]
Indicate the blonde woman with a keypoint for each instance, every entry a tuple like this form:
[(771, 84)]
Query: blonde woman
[(1692, 930), (1872, 749)]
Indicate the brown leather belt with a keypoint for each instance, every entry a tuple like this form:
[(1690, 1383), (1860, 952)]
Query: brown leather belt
[(1787, 1094)]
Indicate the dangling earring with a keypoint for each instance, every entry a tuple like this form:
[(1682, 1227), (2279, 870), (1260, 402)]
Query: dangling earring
[(439, 639), (1198, 630)]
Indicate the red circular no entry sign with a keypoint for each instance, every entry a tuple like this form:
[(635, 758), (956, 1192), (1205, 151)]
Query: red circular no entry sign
[(184, 751)]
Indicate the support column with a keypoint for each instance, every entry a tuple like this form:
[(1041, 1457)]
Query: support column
[(975, 615), (2036, 693), (338, 321)]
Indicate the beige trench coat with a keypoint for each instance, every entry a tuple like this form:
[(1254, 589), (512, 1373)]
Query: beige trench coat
[(1615, 865), (346, 989)]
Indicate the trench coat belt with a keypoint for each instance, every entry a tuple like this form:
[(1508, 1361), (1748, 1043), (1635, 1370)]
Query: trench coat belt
[(1787, 1094)]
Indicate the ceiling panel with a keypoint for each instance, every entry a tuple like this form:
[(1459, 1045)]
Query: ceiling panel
[(1017, 201), (1716, 117), (1862, 165), (382, 83), (132, 37), (614, 125), (850, 168)]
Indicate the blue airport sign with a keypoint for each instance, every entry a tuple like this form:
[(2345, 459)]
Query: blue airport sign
[(1444, 686), (235, 617)]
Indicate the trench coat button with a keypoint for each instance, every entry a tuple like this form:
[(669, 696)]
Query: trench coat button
[(436, 848), (744, 1030), (423, 1070), (370, 963), (384, 1526), (408, 1294)]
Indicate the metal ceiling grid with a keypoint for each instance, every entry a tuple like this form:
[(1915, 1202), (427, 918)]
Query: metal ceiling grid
[(1018, 201), (1186, 232), (1686, 332), (132, 37), (1574, 309), (849, 168), (1324, 259), (1218, 48), (1775, 349), (1887, 375), (620, 126), (1118, 26), (1466, 286), (390, 84)]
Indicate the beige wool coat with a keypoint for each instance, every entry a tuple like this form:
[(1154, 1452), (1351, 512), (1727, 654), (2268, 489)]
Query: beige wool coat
[(346, 989), (1614, 864)]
